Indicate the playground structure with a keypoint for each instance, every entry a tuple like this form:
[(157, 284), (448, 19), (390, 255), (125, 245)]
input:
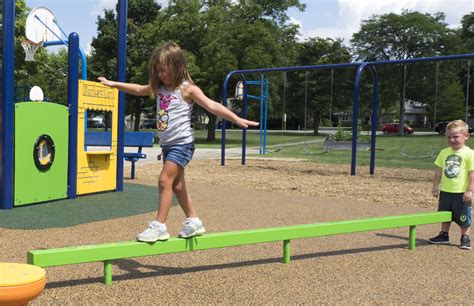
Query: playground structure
[(113, 251), (62, 166), (360, 66), (242, 93)]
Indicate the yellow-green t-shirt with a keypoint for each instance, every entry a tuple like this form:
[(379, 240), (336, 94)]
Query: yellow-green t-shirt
[(455, 166)]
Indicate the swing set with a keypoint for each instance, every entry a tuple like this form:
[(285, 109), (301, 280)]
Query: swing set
[(360, 66), (433, 149)]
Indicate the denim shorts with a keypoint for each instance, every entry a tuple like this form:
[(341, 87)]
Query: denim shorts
[(179, 154)]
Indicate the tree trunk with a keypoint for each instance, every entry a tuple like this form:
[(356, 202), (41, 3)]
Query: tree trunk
[(402, 101), (316, 116), (211, 127), (137, 114)]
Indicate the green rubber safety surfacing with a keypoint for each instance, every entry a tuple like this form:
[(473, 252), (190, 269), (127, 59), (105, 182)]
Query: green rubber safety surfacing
[(135, 199)]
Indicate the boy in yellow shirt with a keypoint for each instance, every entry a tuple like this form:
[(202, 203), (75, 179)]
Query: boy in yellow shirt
[(453, 182)]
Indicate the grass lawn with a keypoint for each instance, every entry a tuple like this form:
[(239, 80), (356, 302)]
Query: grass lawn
[(417, 152)]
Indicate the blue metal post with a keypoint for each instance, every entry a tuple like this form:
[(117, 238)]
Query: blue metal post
[(224, 99), (244, 115), (262, 121), (374, 119), (72, 97), (265, 99), (6, 108), (121, 77), (355, 115)]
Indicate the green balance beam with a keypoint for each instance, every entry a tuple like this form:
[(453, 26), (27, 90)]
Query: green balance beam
[(112, 251)]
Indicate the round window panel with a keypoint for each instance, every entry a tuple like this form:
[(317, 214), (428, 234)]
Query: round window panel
[(43, 153)]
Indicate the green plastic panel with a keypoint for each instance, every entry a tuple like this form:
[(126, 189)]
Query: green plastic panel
[(33, 119), (111, 251)]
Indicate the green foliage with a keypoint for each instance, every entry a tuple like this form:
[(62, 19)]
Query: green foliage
[(346, 134), (404, 36), (219, 36)]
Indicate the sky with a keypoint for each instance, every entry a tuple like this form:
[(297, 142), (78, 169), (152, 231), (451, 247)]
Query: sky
[(322, 18)]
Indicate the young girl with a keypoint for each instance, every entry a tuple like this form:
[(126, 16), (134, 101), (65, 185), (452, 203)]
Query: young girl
[(175, 95)]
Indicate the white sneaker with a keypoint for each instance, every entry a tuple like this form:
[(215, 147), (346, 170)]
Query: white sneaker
[(153, 233), (192, 228)]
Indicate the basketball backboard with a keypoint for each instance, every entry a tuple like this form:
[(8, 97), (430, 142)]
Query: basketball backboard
[(41, 25)]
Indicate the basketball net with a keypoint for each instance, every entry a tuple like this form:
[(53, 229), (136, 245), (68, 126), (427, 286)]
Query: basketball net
[(30, 49)]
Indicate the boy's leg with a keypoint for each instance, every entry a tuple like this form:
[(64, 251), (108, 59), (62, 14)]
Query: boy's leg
[(445, 227), (444, 204), (466, 228), (465, 239)]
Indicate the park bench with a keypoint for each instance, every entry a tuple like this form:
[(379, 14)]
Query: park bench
[(106, 253), (131, 139)]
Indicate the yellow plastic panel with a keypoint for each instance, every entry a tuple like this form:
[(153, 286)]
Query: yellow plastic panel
[(96, 172)]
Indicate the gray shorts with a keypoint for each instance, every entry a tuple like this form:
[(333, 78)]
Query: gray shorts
[(454, 203)]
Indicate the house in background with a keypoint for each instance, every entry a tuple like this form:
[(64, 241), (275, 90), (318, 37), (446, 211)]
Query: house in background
[(415, 113)]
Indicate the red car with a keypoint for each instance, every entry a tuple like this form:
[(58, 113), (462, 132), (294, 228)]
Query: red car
[(394, 128)]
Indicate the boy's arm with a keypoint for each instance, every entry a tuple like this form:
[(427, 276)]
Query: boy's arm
[(467, 197), (130, 88), (196, 94), (436, 181)]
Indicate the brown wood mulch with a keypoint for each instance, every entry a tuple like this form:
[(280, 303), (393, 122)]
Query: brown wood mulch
[(372, 267)]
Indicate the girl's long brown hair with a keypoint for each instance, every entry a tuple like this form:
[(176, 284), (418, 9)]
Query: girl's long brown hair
[(171, 55)]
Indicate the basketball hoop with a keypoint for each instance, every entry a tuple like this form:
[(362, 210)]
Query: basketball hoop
[(30, 49)]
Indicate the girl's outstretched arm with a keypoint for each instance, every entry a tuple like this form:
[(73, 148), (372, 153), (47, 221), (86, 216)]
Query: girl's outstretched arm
[(130, 88), (196, 94)]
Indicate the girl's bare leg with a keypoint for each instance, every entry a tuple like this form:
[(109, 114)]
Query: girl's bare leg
[(168, 175), (185, 201)]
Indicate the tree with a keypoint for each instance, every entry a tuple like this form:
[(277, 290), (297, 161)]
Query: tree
[(320, 99), (467, 38), (51, 75), (405, 36), (467, 32), (221, 36), (141, 14)]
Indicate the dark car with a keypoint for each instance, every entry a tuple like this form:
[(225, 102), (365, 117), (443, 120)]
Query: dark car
[(440, 127), (394, 128), (148, 124)]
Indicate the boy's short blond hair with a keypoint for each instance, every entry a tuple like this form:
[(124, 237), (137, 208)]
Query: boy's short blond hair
[(458, 125)]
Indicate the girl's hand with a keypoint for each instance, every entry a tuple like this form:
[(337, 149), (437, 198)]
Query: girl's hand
[(244, 123), (435, 191), (106, 82)]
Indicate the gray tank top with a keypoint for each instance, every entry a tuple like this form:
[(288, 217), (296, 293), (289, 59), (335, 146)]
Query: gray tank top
[(174, 117)]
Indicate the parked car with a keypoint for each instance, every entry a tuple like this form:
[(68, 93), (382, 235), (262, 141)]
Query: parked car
[(440, 127), (148, 124), (95, 123), (394, 128)]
